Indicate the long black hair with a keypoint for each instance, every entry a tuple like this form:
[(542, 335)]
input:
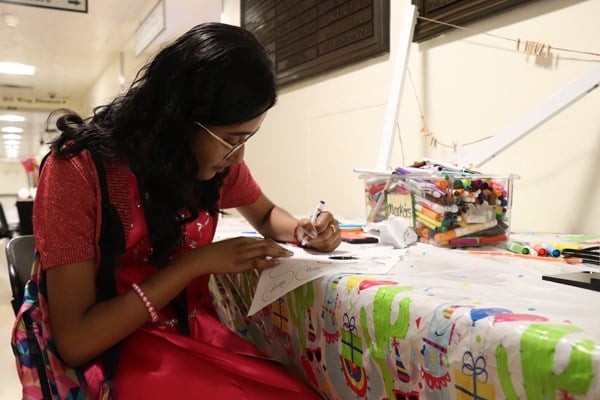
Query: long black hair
[(215, 73)]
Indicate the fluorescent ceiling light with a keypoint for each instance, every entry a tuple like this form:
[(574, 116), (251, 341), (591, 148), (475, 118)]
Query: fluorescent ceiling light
[(15, 143), (11, 136), (16, 68), (12, 154), (12, 118), (11, 129)]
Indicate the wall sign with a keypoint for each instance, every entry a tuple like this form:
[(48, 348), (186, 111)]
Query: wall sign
[(308, 37), (150, 28), (66, 5), (457, 12)]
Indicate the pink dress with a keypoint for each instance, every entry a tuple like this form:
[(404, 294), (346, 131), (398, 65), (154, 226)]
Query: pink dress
[(155, 361)]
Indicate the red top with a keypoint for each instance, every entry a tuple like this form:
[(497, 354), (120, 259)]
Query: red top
[(68, 203), (67, 227)]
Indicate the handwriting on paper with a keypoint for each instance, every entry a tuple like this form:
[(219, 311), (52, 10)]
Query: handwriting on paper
[(304, 267)]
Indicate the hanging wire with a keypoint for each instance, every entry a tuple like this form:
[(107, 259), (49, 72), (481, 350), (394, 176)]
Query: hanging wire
[(529, 47), (516, 41)]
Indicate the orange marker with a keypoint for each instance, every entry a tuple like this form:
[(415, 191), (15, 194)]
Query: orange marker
[(442, 183), (430, 213), (443, 237)]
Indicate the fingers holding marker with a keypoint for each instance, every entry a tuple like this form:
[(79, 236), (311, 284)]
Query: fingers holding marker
[(313, 221), (335, 238), (322, 231), (327, 225), (329, 235), (334, 228)]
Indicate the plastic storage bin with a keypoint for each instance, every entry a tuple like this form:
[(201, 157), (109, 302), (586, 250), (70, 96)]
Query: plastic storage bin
[(445, 209)]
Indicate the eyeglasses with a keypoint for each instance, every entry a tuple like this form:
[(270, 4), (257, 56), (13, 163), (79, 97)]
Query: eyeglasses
[(231, 147)]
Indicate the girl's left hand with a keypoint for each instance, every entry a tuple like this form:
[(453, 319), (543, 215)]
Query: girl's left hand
[(324, 235)]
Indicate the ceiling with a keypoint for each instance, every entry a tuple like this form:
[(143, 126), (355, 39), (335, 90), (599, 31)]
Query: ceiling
[(69, 50)]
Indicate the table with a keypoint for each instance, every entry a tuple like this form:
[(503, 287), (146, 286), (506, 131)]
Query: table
[(442, 324)]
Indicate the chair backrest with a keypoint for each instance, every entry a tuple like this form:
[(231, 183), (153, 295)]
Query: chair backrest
[(4, 229), (20, 252), (25, 211)]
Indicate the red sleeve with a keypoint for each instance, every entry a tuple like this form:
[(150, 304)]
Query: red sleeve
[(239, 189), (66, 211)]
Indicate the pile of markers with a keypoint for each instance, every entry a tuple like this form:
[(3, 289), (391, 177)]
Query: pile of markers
[(570, 253), (447, 206)]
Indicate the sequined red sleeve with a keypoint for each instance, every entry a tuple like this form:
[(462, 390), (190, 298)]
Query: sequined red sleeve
[(239, 189), (66, 212)]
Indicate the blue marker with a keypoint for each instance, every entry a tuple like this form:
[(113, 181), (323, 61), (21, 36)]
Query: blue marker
[(552, 251)]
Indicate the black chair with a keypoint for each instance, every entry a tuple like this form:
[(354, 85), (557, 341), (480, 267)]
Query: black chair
[(25, 211), (5, 230), (20, 252)]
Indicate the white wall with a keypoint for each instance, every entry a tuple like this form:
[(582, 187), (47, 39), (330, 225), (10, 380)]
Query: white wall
[(470, 86), (180, 15)]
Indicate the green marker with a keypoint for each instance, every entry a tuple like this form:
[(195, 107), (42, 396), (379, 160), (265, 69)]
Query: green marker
[(517, 248)]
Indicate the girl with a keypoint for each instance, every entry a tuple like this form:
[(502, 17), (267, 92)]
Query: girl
[(173, 148)]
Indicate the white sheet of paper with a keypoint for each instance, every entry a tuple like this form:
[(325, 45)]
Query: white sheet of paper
[(305, 266)]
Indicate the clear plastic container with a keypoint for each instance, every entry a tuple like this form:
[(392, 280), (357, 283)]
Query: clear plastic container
[(445, 209)]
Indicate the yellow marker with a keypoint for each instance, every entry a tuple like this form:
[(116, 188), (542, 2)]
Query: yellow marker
[(423, 217), (426, 223), (562, 246)]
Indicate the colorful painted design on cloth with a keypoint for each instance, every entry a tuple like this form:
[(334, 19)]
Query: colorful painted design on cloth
[(360, 337)]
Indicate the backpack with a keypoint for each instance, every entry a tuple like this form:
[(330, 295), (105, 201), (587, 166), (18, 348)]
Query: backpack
[(41, 371)]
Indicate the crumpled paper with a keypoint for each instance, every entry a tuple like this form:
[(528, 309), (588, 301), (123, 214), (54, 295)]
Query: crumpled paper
[(394, 231)]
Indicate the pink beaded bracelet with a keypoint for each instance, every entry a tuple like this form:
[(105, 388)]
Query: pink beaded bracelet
[(142, 296), (296, 241)]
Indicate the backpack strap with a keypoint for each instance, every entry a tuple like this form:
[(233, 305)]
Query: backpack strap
[(111, 244), (112, 237), (35, 354)]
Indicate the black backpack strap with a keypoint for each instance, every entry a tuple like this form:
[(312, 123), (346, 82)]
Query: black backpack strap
[(112, 244), (112, 237), (35, 354)]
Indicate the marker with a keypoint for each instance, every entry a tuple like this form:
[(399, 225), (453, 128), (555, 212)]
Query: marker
[(563, 246), (449, 166), (476, 240), (531, 250), (430, 213), (589, 255), (411, 170), (444, 237), (343, 258), (426, 223), (508, 254), (372, 171), (352, 227), (541, 250), (432, 222), (552, 251), (318, 211), (440, 209), (517, 248)]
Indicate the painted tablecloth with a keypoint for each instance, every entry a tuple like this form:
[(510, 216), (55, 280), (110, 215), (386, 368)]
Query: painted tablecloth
[(441, 325)]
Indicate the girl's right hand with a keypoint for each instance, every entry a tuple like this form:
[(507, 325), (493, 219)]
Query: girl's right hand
[(236, 255)]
